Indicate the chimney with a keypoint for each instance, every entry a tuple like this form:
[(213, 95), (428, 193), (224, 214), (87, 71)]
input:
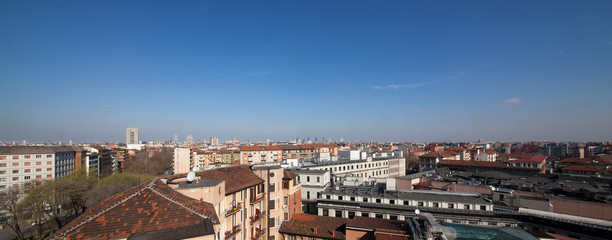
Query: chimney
[(315, 230), (333, 232)]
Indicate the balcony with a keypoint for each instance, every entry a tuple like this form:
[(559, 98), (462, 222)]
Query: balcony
[(257, 217), (255, 199), (233, 209), (258, 233), (235, 230)]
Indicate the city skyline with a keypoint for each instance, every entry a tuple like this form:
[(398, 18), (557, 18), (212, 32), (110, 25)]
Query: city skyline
[(449, 71)]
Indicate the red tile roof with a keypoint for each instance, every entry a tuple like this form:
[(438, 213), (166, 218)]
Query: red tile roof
[(455, 149), (582, 168), (380, 225), (271, 148), (315, 226), (152, 206), (306, 147), (290, 147), (578, 160), (288, 175), (250, 148), (236, 177)]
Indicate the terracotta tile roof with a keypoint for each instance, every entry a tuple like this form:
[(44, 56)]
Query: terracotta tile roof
[(317, 145), (379, 224), (438, 155), (288, 175), (582, 168), (250, 148), (315, 226), (331, 145), (306, 147), (455, 149), (290, 147), (578, 160), (152, 206), (491, 152), (236, 177), (271, 148)]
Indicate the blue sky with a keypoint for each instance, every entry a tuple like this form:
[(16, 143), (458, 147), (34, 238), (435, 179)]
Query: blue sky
[(360, 70)]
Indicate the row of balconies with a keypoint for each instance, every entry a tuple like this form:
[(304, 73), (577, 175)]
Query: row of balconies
[(233, 209), (231, 233)]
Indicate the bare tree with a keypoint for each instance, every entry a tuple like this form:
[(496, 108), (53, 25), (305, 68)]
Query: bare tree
[(13, 214)]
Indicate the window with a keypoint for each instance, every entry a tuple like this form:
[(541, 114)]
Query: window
[(352, 198), (27, 156), (325, 212), (49, 169), (450, 205), (286, 200), (483, 208), (365, 200), (38, 156), (26, 177), (27, 170), (327, 196), (38, 176), (307, 194), (272, 222), (272, 204), (339, 197), (420, 204), (406, 202), (466, 207), (15, 171), (15, 178), (2, 157), (49, 176), (379, 215), (391, 201), (307, 178), (2, 164), (393, 217), (318, 179), (363, 214), (38, 163), (26, 164), (351, 215), (49, 163), (49, 156), (272, 187), (15, 164), (378, 200), (338, 214), (436, 205), (15, 157)]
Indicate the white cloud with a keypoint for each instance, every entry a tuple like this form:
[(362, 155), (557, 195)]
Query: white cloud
[(398, 86), (510, 101)]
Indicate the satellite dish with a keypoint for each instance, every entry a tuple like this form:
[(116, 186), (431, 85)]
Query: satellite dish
[(417, 211), (194, 169), (190, 176)]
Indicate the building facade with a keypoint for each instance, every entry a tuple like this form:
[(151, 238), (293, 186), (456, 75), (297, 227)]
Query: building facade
[(132, 136)]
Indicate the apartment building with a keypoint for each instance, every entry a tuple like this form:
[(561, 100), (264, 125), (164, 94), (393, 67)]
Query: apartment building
[(260, 154), (349, 202), (362, 170), (183, 160), (105, 160), (432, 159), (19, 164), (313, 183)]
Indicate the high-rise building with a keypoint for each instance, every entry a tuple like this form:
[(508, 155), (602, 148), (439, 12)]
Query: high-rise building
[(189, 139), (214, 141), (132, 136)]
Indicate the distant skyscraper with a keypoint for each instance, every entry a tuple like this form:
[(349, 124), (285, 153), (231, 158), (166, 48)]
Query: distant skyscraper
[(189, 139), (214, 141), (175, 140), (132, 136)]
